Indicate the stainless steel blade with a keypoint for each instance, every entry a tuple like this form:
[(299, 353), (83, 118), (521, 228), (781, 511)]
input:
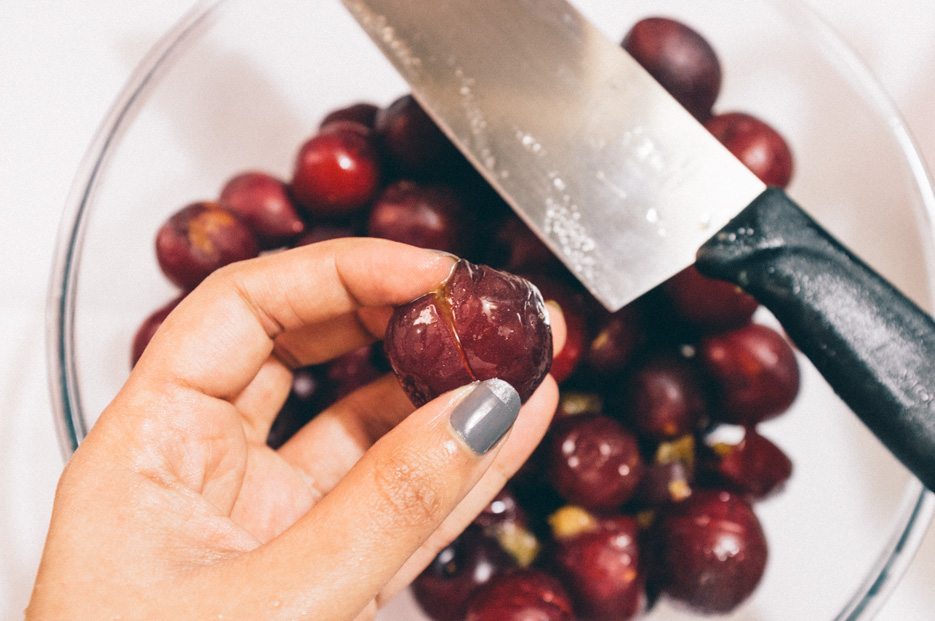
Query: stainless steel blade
[(614, 175)]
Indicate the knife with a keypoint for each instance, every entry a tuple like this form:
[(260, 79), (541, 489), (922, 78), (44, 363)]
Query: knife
[(627, 189)]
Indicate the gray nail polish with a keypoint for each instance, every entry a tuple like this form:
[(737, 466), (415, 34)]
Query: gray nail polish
[(484, 416)]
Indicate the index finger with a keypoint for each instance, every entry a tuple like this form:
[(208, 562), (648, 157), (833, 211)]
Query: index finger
[(222, 332)]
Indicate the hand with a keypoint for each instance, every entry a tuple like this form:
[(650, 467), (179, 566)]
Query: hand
[(174, 507)]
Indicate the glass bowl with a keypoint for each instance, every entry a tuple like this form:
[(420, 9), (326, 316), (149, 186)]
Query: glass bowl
[(239, 84)]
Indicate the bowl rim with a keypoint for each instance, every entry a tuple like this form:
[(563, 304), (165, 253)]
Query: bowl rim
[(918, 504)]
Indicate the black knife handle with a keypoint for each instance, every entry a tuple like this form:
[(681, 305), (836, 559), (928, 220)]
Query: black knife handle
[(873, 345)]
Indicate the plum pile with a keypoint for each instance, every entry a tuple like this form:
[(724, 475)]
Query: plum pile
[(628, 498)]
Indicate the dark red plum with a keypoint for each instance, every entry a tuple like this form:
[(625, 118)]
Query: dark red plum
[(618, 338), (709, 304), (503, 509), (310, 395), (755, 466), (337, 172), (594, 461), (520, 595), (413, 143), (480, 324), (598, 561), (443, 588), (664, 397), (146, 331), (199, 239), (364, 113), (680, 59), (263, 203), (709, 551), (428, 216), (754, 373), (502, 326), (760, 147)]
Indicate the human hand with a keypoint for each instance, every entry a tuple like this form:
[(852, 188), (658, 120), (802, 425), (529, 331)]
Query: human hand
[(174, 507)]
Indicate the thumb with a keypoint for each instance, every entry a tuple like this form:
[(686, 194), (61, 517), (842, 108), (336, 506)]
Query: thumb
[(335, 560)]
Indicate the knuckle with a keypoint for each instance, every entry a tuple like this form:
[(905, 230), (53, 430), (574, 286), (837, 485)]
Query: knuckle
[(410, 489)]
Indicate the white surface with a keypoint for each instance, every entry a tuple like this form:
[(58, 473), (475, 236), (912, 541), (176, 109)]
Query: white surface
[(62, 63)]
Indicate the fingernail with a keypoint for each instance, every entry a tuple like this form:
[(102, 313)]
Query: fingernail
[(484, 416)]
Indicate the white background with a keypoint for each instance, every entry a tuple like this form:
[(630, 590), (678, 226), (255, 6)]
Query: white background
[(62, 62)]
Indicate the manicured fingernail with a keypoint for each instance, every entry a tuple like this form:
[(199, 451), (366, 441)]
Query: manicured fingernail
[(484, 416)]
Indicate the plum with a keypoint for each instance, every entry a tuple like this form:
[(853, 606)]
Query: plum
[(443, 588), (707, 303), (362, 112), (754, 466), (413, 143), (709, 551), (337, 172), (618, 338), (520, 595), (428, 216), (664, 397), (199, 239), (598, 560), (680, 59), (263, 203), (594, 461), (480, 324), (760, 147), (753, 371)]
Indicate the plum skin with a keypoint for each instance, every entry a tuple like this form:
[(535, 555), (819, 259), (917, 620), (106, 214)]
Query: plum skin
[(480, 324), (428, 216), (520, 595), (680, 59), (755, 143), (594, 461), (458, 570), (664, 398), (754, 373), (755, 466), (337, 171), (199, 239), (602, 569), (413, 143), (707, 303), (263, 203), (710, 551)]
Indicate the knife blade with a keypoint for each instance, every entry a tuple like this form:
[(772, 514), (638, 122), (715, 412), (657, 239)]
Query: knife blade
[(619, 181), (627, 189)]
